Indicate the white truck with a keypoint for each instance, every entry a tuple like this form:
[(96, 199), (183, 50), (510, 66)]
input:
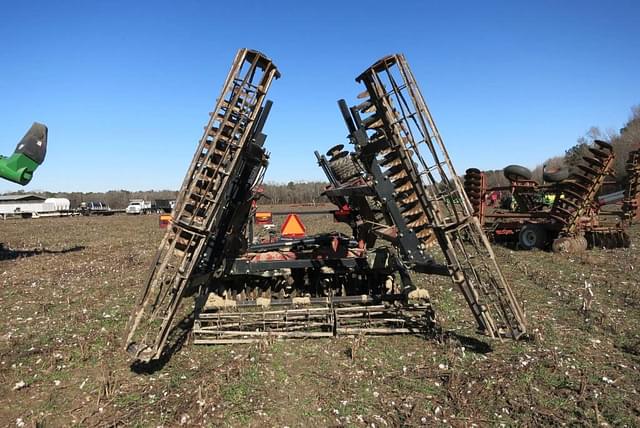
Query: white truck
[(138, 206)]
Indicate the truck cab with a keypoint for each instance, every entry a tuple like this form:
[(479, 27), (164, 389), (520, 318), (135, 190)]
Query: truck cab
[(138, 206)]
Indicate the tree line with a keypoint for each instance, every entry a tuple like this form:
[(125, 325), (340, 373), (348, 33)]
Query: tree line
[(623, 141), (295, 192), (274, 193)]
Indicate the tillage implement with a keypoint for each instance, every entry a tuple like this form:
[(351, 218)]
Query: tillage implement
[(565, 213), (397, 190)]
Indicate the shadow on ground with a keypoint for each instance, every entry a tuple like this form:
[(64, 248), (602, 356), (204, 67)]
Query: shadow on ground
[(176, 340), (7, 253)]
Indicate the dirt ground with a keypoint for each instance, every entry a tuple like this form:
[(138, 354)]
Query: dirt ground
[(67, 291)]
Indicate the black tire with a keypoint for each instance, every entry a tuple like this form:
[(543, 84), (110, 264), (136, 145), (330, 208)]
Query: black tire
[(344, 168), (474, 171), (556, 176), (517, 173), (532, 236)]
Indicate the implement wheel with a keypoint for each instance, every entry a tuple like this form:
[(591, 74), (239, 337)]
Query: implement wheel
[(517, 173), (532, 236)]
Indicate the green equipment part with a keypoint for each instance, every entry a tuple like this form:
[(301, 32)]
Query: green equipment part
[(29, 154)]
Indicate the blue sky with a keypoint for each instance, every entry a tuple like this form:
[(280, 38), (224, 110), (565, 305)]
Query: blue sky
[(125, 87)]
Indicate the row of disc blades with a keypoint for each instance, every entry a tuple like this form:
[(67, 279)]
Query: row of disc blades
[(393, 161), (630, 203), (473, 188), (581, 187)]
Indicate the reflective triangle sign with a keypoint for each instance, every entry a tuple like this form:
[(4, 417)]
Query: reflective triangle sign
[(293, 227)]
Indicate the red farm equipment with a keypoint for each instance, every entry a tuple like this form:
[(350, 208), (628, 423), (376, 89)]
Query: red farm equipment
[(565, 213)]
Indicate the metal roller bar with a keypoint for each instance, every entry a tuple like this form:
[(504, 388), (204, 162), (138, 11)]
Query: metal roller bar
[(339, 316)]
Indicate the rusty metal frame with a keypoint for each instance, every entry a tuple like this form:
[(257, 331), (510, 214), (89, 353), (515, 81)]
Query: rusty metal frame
[(227, 145), (399, 126), (205, 250)]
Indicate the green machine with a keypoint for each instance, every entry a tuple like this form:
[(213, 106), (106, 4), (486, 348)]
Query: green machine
[(29, 154)]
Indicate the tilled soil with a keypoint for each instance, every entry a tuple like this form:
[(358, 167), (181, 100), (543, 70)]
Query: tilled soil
[(68, 285)]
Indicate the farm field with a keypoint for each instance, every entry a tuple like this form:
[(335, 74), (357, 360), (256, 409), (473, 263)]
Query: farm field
[(69, 284)]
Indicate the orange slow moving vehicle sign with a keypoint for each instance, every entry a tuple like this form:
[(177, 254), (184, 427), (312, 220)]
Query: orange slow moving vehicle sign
[(293, 227)]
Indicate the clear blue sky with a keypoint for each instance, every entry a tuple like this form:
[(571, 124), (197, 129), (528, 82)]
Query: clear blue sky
[(125, 86)]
